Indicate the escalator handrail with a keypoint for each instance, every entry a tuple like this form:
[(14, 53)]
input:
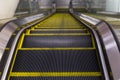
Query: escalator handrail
[(110, 42), (13, 47), (104, 66), (10, 27)]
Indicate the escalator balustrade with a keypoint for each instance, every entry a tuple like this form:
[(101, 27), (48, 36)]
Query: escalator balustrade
[(58, 48)]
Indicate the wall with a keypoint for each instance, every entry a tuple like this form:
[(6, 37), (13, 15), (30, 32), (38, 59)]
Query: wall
[(113, 5), (81, 3), (62, 3), (45, 3), (7, 8)]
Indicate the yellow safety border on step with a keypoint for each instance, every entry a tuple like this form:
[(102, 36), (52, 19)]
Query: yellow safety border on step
[(54, 74), (21, 41)]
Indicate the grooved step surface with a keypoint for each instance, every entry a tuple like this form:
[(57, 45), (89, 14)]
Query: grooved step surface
[(56, 78), (60, 21), (56, 61), (58, 48), (57, 41), (58, 31)]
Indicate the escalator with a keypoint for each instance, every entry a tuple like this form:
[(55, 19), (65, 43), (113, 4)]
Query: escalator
[(58, 48)]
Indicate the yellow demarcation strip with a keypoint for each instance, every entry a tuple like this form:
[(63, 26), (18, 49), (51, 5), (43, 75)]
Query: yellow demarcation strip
[(57, 29), (7, 48), (28, 32), (60, 34), (21, 41), (13, 62), (54, 74), (111, 74), (57, 49), (32, 28), (11, 68), (14, 34), (93, 41)]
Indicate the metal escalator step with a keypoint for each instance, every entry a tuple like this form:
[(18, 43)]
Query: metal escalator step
[(56, 78), (58, 31), (56, 61), (54, 41)]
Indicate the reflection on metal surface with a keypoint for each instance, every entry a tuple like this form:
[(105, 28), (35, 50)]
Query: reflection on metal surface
[(104, 66), (9, 29), (112, 49), (109, 42), (5, 35), (7, 65), (89, 19)]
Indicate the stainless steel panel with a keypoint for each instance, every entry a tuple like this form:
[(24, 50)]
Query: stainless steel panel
[(109, 42), (111, 48), (6, 69), (104, 66), (5, 35), (9, 28)]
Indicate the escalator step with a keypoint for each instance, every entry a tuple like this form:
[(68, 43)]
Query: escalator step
[(56, 61), (59, 31), (54, 41), (56, 78)]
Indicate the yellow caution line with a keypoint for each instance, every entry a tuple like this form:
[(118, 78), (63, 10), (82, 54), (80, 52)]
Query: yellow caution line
[(7, 48), (32, 28), (28, 32), (111, 74), (58, 34), (13, 62), (93, 41), (57, 49), (14, 34), (54, 74), (21, 41), (55, 29)]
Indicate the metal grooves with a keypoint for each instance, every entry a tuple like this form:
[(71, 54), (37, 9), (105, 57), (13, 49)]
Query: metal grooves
[(52, 50), (56, 61), (55, 78), (58, 31), (56, 41)]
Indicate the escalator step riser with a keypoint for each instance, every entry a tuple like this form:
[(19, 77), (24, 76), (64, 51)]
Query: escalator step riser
[(56, 61), (60, 31), (56, 78), (57, 41)]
